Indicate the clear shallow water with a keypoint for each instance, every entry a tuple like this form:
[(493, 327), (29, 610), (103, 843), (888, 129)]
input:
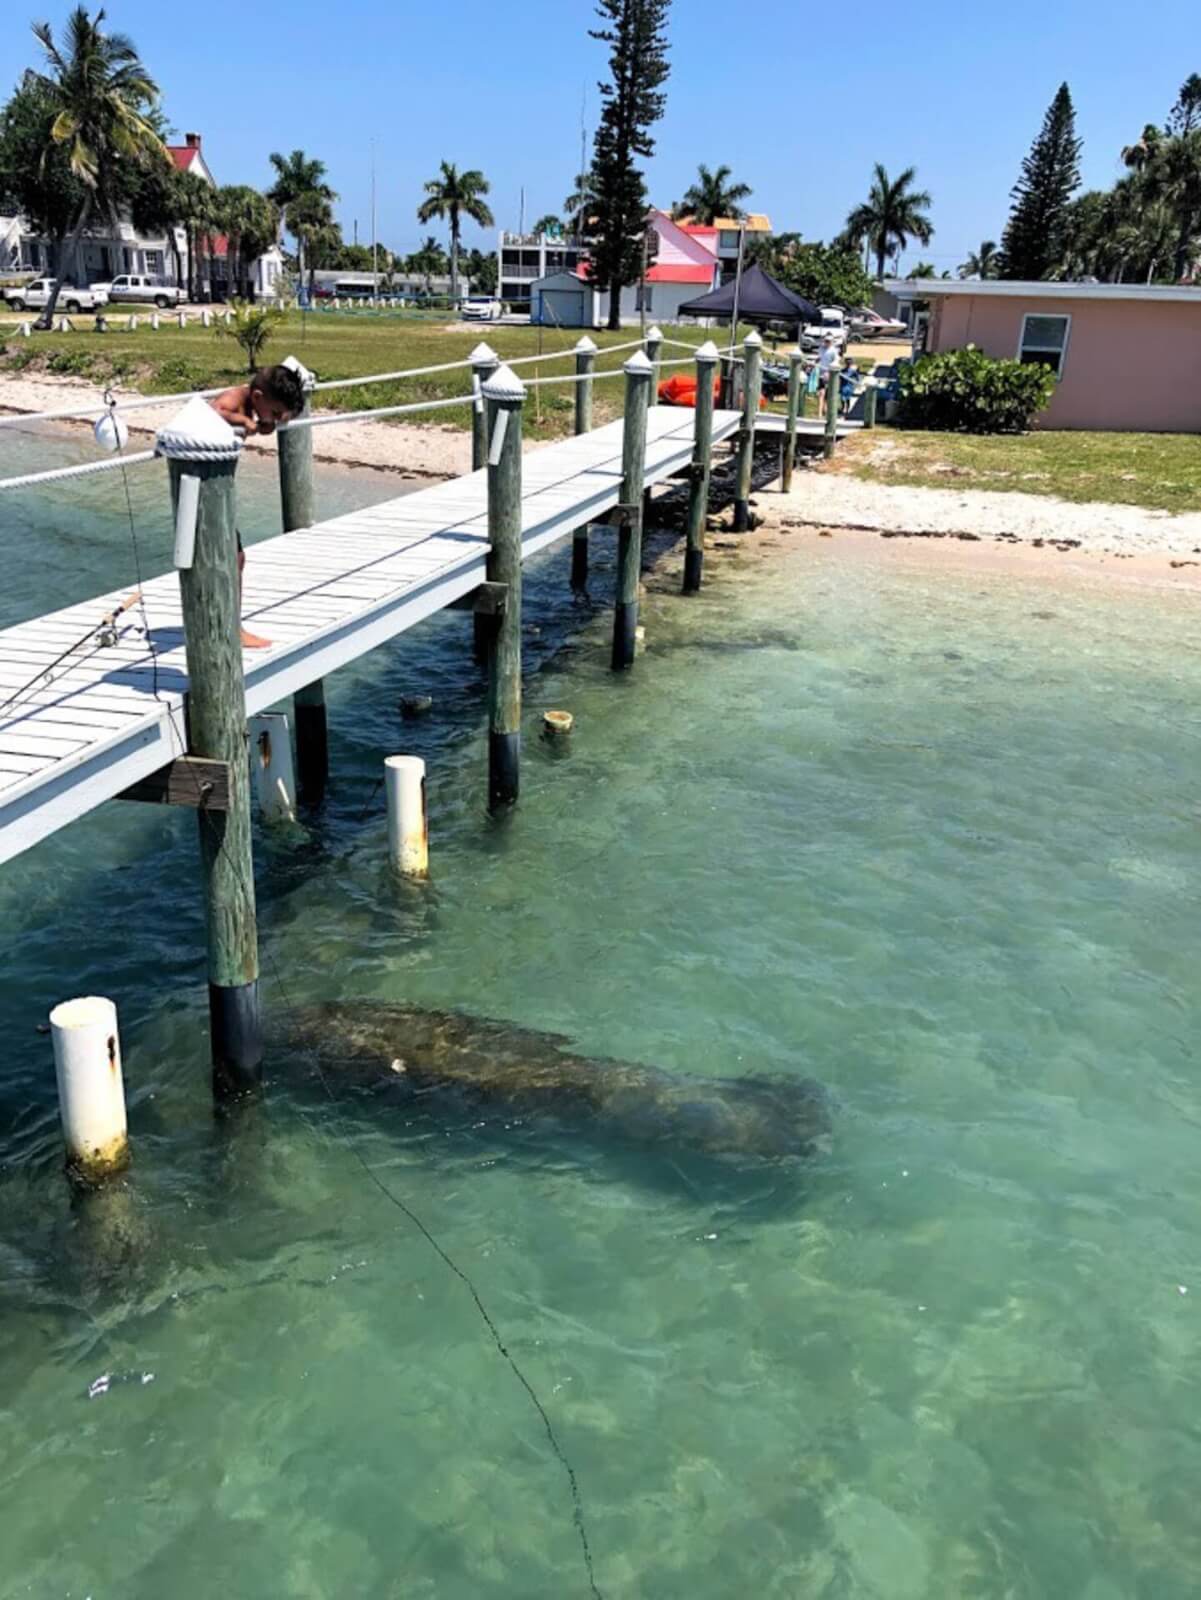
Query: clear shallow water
[(927, 837)]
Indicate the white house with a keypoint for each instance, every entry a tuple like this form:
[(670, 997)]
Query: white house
[(685, 264), (108, 249)]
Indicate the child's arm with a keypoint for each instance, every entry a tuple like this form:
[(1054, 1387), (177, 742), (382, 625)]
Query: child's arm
[(234, 406)]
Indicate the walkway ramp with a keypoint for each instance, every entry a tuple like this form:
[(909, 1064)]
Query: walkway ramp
[(108, 715)]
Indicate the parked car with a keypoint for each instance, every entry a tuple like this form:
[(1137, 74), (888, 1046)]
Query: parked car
[(35, 295), (869, 324), (480, 308), (139, 289), (833, 322)]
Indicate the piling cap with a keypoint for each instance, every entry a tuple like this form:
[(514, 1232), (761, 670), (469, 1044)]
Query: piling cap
[(308, 380), (753, 339), (708, 351), (585, 346), (483, 356), (655, 333), (198, 433), (639, 365), (504, 384)]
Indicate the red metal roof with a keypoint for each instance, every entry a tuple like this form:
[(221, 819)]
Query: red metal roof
[(183, 155)]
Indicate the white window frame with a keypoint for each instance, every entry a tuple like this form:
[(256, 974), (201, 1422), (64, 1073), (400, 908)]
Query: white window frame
[(1060, 316)]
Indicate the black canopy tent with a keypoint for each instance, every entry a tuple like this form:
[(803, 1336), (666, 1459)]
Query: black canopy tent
[(759, 299)]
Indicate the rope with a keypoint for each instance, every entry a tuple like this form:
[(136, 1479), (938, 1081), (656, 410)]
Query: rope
[(137, 404), (55, 474), (380, 411)]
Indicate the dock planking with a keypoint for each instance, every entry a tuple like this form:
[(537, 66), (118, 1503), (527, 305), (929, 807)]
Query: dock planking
[(108, 715)]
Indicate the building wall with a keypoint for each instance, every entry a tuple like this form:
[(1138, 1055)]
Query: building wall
[(1130, 364)]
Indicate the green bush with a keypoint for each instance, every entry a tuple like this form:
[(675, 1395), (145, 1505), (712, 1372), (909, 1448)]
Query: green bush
[(70, 363), (178, 374), (965, 391)]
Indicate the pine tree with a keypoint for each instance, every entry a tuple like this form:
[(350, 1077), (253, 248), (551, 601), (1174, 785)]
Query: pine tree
[(1032, 244), (635, 32)]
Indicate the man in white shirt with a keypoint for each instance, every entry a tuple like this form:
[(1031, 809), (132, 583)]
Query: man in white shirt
[(827, 362)]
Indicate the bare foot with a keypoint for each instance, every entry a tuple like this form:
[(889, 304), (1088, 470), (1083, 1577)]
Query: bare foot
[(252, 641)]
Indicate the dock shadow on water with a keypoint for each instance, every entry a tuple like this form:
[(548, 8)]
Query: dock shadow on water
[(662, 1128)]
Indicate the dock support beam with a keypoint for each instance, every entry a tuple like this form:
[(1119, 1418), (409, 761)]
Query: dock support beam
[(833, 386), (869, 404), (504, 396), (654, 350), (752, 379), (484, 362), (207, 448), (702, 452), (585, 366), (638, 373), (297, 500), (796, 376)]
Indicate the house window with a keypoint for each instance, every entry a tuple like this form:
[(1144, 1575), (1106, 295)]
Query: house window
[(154, 263), (1044, 340)]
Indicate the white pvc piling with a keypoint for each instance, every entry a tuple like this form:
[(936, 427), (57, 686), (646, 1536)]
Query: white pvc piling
[(91, 1091), (271, 770), (154, 320), (183, 319), (408, 828)]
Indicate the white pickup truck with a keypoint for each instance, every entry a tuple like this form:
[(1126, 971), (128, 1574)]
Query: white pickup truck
[(832, 325), (141, 289), (35, 296)]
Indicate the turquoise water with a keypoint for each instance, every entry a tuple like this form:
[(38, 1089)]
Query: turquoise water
[(926, 835)]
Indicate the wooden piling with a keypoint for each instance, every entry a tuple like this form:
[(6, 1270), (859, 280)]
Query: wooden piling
[(484, 363), (752, 380), (298, 506), (796, 380), (504, 395), (833, 387), (585, 366), (207, 448), (869, 404), (638, 371), (654, 348), (702, 451)]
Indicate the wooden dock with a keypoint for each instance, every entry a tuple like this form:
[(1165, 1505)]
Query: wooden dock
[(110, 714)]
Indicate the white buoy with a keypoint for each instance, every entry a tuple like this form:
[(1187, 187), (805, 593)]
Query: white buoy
[(408, 827), (271, 771), (111, 432), (91, 1091)]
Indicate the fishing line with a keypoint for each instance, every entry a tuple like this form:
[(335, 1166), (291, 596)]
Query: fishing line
[(351, 1146)]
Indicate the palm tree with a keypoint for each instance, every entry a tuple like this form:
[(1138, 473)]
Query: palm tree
[(581, 202), (301, 193), (196, 210), (548, 224), (1173, 177), (1142, 151), (924, 269), (712, 197), (101, 95), (982, 263), (430, 259), (454, 195), (251, 224), (891, 216)]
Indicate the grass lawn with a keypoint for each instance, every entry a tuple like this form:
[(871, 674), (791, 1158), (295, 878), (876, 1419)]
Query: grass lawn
[(1161, 471), (334, 346)]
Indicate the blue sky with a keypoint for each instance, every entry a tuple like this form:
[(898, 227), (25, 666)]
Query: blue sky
[(957, 90)]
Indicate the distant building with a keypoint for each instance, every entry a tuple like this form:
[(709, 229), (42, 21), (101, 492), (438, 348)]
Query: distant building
[(399, 281), (523, 258), (109, 249), (723, 235), (684, 263), (1124, 355)]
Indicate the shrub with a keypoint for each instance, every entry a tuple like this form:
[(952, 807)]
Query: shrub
[(178, 373), (251, 328), (965, 391), (70, 363)]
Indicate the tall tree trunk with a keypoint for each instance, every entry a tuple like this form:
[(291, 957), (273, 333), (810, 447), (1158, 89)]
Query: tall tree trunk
[(615, 288), (454, 257), (178, 258), (66, 252)]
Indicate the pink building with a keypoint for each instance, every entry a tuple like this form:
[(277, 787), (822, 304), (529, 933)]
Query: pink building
[(1127, 356)]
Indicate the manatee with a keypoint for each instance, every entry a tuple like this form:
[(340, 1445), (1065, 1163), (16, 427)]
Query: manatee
[(531, 1074)]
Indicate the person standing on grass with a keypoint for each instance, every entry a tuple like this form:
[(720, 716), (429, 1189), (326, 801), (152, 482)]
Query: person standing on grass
[(826, 363), (273, 395)]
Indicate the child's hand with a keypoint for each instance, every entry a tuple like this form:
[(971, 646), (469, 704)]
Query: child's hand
[(266, 427)]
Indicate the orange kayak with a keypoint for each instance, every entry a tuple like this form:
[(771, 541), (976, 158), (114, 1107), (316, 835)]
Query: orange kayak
[(680, 390)]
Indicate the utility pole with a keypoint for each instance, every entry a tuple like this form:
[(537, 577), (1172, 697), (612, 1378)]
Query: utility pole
[(374, 231)]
